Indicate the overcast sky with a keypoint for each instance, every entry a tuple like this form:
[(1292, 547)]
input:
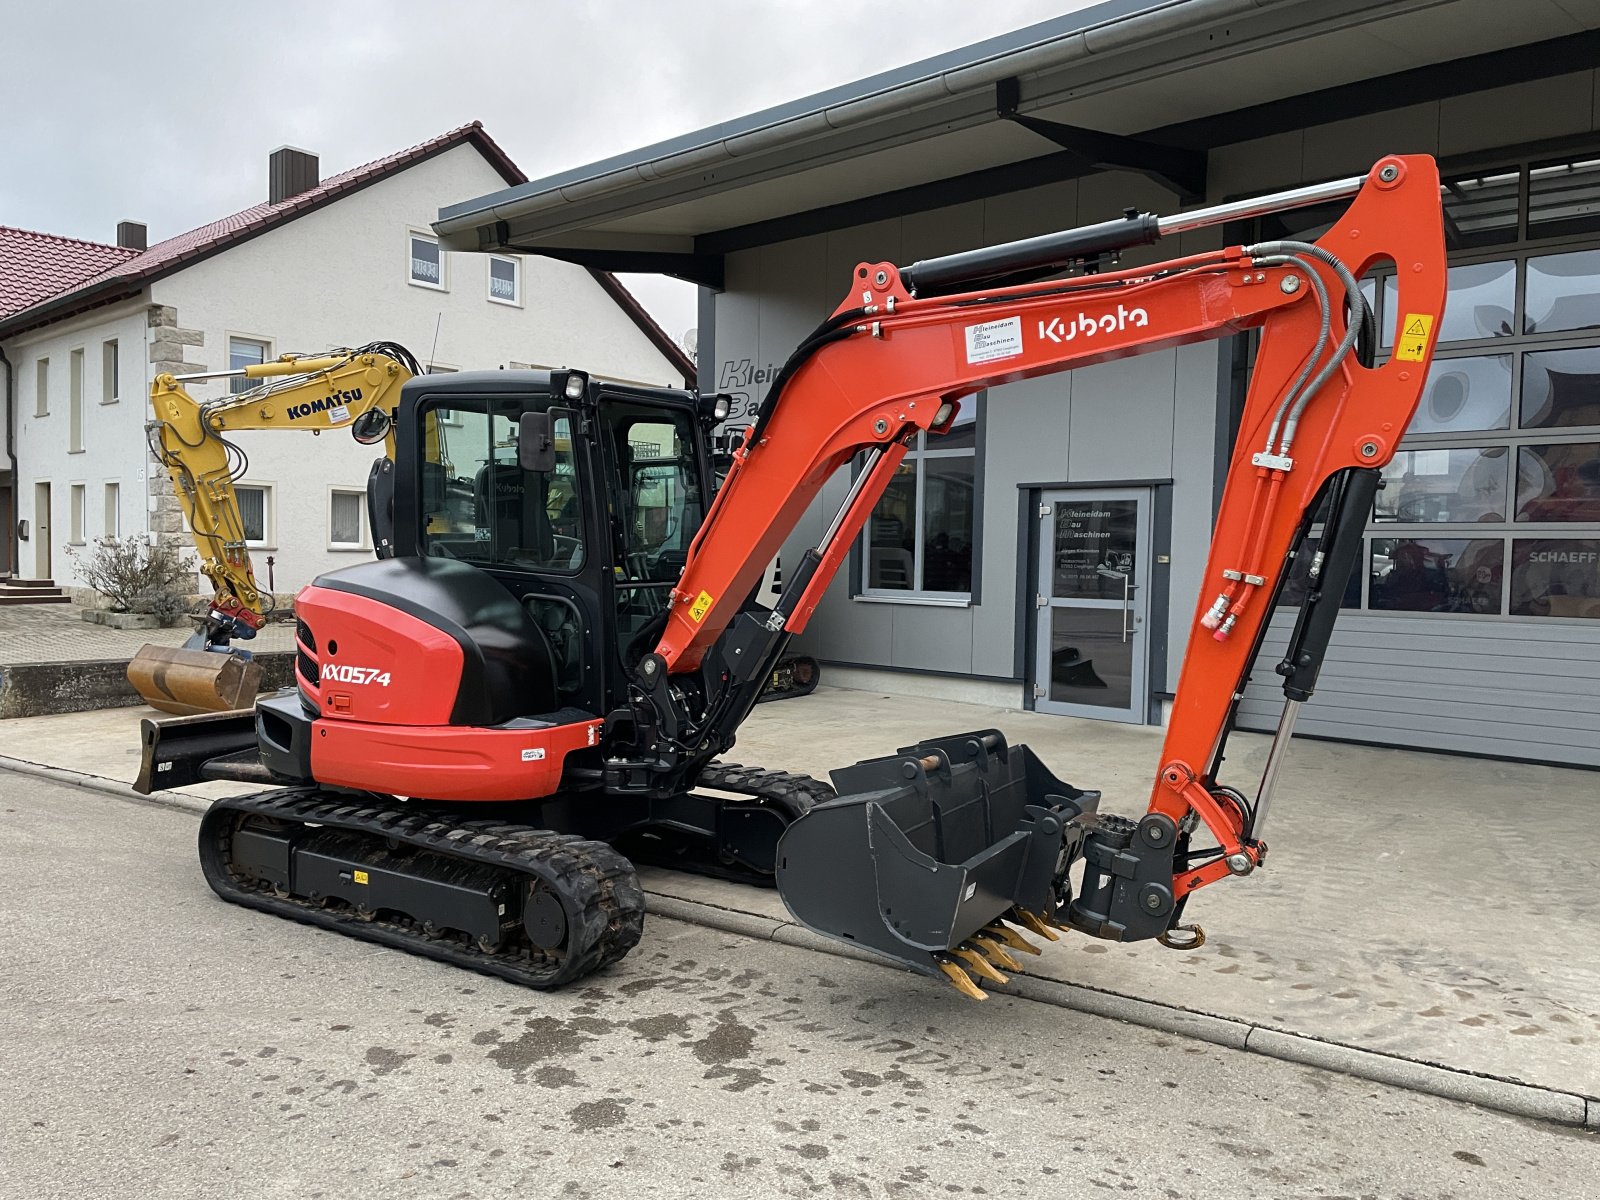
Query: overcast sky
[(165, 113)]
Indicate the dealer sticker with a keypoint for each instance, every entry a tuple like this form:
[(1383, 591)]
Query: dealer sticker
[(338, 414), (994, 339)]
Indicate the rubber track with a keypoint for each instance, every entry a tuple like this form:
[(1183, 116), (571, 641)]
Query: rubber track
[(788, 790), (605, 904)]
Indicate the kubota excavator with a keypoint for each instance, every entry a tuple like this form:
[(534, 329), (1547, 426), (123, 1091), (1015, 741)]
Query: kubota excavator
[(534, 688)]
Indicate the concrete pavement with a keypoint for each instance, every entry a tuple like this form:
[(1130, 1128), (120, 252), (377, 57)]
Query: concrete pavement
[(1420, 906), (41, 633), (158, 1043)]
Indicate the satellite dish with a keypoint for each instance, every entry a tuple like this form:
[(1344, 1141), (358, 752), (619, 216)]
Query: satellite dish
[(690, 341)]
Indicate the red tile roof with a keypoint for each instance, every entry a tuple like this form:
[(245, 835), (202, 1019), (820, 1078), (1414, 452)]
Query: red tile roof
[(74, 275), (36, 266)]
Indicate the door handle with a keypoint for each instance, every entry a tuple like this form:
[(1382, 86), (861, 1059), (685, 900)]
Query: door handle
[(1128, 588)]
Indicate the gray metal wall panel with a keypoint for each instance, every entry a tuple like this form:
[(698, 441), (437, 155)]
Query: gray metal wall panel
[(1510, 688), (929, 637), (1197, 409)]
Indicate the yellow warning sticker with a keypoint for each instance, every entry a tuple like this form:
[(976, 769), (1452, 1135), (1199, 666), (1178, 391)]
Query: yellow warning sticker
[(700, 607), (1414, 333), (360, 876)]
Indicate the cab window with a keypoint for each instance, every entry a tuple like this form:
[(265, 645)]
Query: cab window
[(481, 507)]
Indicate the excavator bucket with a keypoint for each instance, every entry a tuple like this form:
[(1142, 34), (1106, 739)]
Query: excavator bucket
[(930, 855), (184, 681)]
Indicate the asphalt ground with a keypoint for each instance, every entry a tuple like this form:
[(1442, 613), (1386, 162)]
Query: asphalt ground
[(155, 1042)]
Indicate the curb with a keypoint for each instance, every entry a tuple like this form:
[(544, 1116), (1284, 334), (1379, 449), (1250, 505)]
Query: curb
[(1450, 1083)]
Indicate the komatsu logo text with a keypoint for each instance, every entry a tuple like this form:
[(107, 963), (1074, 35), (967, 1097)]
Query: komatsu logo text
[(1058, 329), (342, 673), (336, 400)]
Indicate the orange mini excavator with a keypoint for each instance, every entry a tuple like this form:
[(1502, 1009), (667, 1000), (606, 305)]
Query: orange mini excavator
[(488, 725)]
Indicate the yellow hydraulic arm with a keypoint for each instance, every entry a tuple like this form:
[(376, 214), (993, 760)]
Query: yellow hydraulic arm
[(357, 389)]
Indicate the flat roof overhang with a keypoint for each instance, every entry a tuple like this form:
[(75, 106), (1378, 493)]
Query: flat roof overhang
[(1125, 85)]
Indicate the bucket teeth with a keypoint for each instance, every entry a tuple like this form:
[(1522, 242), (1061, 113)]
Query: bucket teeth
[(993, 951), (961, 981), (1032, 924), (1008, 935), (978, 964)]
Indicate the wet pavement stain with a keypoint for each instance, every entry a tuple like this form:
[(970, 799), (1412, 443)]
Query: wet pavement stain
[(542, 1038), (555, 1077), (597, 1114), (659, 1028), (727, 1041), (383, 1060)]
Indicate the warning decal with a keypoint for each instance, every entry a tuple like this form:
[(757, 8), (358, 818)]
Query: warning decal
[(700, 607), (359, 876), (1412, 344), (994, 339)]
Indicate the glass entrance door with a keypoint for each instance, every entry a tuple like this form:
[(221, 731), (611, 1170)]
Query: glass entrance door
[(1093, 602)]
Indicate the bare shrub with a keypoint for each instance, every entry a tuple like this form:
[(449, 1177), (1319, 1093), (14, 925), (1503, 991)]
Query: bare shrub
[(137, 575)]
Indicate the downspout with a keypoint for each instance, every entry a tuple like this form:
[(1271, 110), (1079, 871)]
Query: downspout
[(11, 457)]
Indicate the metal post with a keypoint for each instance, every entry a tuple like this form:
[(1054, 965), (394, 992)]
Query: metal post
[(1275, 756)]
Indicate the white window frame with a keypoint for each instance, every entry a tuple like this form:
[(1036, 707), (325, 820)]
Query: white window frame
[(112, 493), (444, 268), (239, 384), (269, 514), (110, 371), (516, 280), (41, 386), (75, 363), (77, 512), (363, 540)]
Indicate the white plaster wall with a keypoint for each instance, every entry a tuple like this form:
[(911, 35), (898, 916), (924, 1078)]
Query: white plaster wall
[(113, 433), (339, 276)]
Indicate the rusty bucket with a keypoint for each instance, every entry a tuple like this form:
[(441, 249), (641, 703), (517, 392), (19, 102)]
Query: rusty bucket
[(184, 682)]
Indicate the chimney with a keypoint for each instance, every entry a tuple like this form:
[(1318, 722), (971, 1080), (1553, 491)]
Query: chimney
[(290, 172), (132, 235)]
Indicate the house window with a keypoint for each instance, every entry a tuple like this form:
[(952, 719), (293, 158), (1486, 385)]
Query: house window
[(75, 403), (242, 353), (78, 498), (255, 512), (41, 388), (345, 519), (919, 540), (427, 261), (108, 372), (113, 525), (505, 280)]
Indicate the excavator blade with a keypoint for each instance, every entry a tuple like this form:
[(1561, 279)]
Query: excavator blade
[(927, 851), (184, 682)]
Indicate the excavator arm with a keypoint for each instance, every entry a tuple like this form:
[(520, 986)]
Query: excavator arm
[(895, 360), (333, 391)]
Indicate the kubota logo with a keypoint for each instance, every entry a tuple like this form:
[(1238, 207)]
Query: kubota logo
[(1059, 330), (342, 673)]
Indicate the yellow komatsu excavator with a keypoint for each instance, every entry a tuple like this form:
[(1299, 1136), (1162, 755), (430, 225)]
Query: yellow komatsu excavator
[(356, 389)]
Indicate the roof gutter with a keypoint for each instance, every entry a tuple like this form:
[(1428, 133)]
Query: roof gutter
[(457, 223)]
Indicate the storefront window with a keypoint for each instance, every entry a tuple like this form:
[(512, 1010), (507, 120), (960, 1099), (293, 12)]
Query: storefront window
[(1564, 199), (1481, 302), (1464, 394), (1563, 292), (1559, 482), (1561, 388), (1555, 577), (1439, 575), (1457, 486)]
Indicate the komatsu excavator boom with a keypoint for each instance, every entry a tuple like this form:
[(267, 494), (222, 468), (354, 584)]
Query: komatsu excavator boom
[(581, 664), (355, 389)]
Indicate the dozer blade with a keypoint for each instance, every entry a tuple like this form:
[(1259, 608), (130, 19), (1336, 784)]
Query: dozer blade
[(185, 682), (179, 751), (927, 850)]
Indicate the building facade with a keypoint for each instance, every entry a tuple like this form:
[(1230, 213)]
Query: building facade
[(1048, 552), (340, 262)]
